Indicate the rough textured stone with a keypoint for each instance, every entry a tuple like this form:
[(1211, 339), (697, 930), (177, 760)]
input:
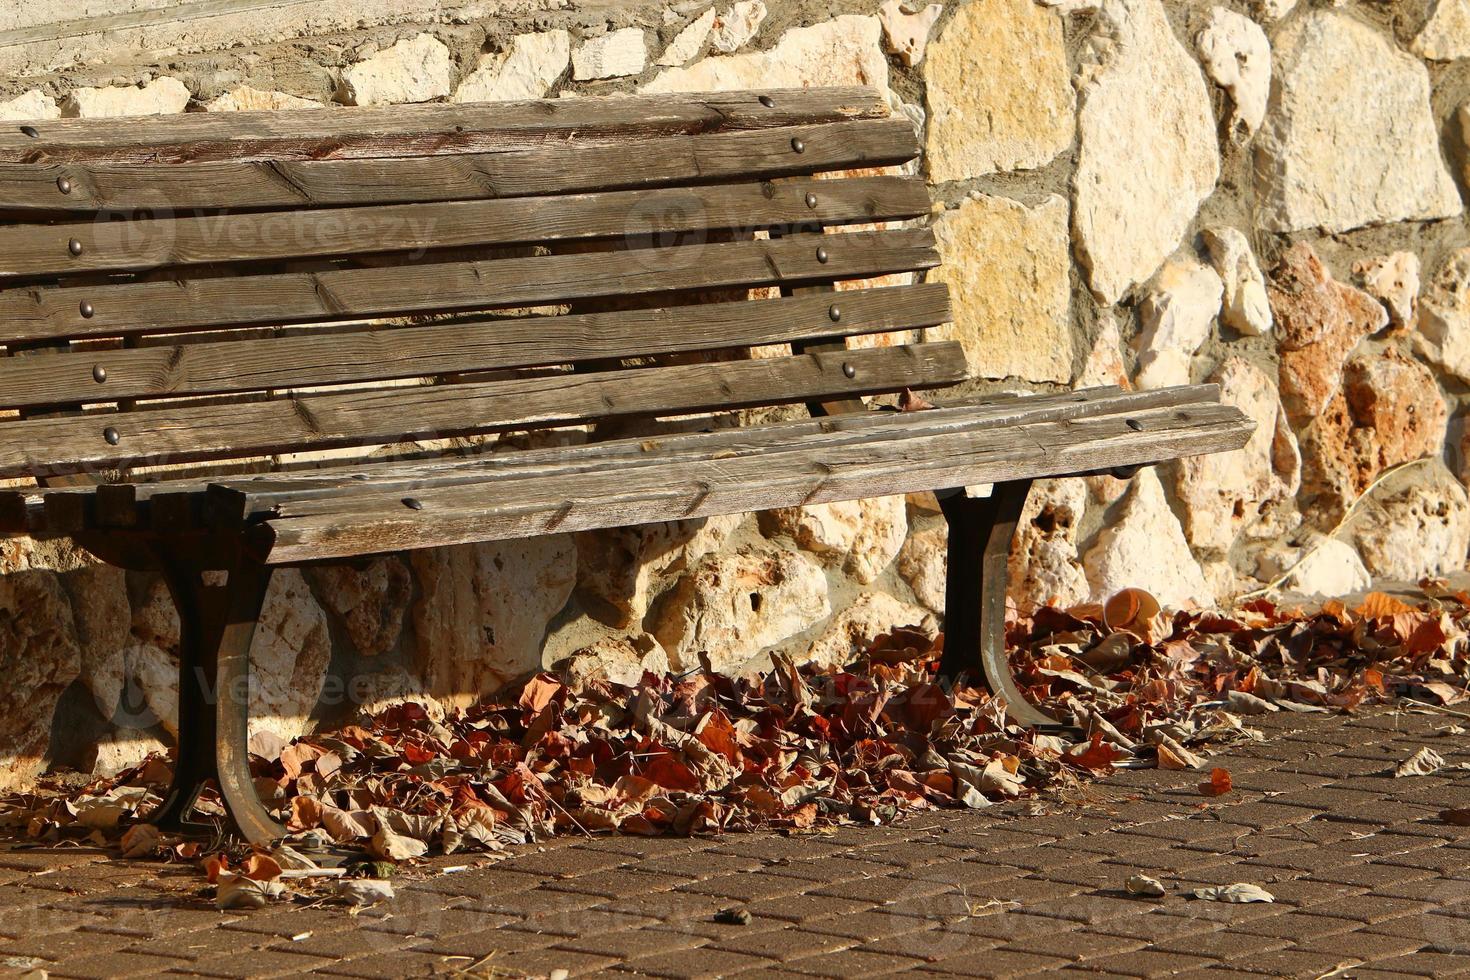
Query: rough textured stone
[(1007, 269), (1224, 493), (1349, 138), (1043, 566), (1389, 411), (734, 607), (619, 570), (416, 69), (243, 98), (1394, 281), (620, 660), (854, 628), (922, 562), (1274, 9), (734, 27), (162, 96), (1105, 366), (39, 657), (481, 616), (999, 91), (1147, 146), (1319, 321), (1237, 57), (1176, 316), (33, 104), (1446, 35), (860, 536), (369, 600), (1417, 525), (121, 750), (1444, 315), (613, 55), (102, 615), (1328, 567), (907, 34), (689, 42), (1245, 307), (289, 657), (841, 51), (525, 70), (1145, 548)]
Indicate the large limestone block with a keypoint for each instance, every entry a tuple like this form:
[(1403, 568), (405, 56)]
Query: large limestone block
[(39, 657), (525, 70), (922, 563), (162, 96), (1244, 307), (999, 91), (1444, 316), (289, 657), (1446, 35), (243, 98), (100, 609), (1318, 323), (906, 34), (1224, 493), (481, 616), (1007, 266), (1349, 139), (369, 600), (1420, 526), (1237, 57), (612, 55), (33, 104), (733, 607), (1043, 568), (854, 629), (861, 536), (846, 50), (1329, 567), (733, 28), (616, 660), (621, 569), (1177, 315), (1394, 281), (1147, 148), (416, 69), (1145, 548)]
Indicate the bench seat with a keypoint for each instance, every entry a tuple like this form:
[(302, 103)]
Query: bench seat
[(230, 343)]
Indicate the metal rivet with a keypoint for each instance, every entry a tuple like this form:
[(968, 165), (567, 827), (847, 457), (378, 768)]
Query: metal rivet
[(74, 246), (798, 145), (822, 255), (30, 131), (835, 312), (1135, 425), (849, 370), (767, 101), (86, 309), (110, 434), (811, 199), (413, 503), (99, 373), (63, 185)]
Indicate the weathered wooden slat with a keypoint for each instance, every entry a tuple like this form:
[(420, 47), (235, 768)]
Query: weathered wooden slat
[(93, 246), (558, 169), (402, 352), (433, 129), (393, 414), (55, 313), (245, 496), (336, 527)]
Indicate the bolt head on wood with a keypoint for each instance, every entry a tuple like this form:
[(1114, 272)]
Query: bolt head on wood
[(30, 131), (766, 101), (1135, 425), (74, 246), (835, 312), (849, 371), (86, 309), (99, 373), (413, 503), (798, 144), (822, 255), (811, 199), (63, 185), (111, 435)]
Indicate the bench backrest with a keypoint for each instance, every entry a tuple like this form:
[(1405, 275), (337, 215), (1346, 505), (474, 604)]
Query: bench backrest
[(211, 287)]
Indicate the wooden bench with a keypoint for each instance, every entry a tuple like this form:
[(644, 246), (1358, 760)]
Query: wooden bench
[(248, 290)]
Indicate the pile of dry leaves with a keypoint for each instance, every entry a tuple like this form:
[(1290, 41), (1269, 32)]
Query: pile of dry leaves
[(801, 747)]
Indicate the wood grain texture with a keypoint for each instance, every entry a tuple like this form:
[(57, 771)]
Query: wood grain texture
[(33, 314), (147, 436), (364, 524), (564, 167), (426, 130), (41, 250), (66, 378)]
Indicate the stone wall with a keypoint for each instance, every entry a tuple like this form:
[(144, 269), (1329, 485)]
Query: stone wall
[(1269, 195)]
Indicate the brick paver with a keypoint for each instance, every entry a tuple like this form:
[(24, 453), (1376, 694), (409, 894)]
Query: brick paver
[(1367, 880)]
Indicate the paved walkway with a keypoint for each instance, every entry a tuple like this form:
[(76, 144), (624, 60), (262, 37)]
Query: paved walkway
[(1368, 881)]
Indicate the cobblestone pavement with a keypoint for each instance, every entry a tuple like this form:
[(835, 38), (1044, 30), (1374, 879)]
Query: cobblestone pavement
[(1368, 883)]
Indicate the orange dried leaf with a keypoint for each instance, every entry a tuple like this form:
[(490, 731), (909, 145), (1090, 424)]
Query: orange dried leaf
[(1219, 783)]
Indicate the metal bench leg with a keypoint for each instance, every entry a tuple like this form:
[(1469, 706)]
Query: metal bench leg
[(980, 533), (217, 624)]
